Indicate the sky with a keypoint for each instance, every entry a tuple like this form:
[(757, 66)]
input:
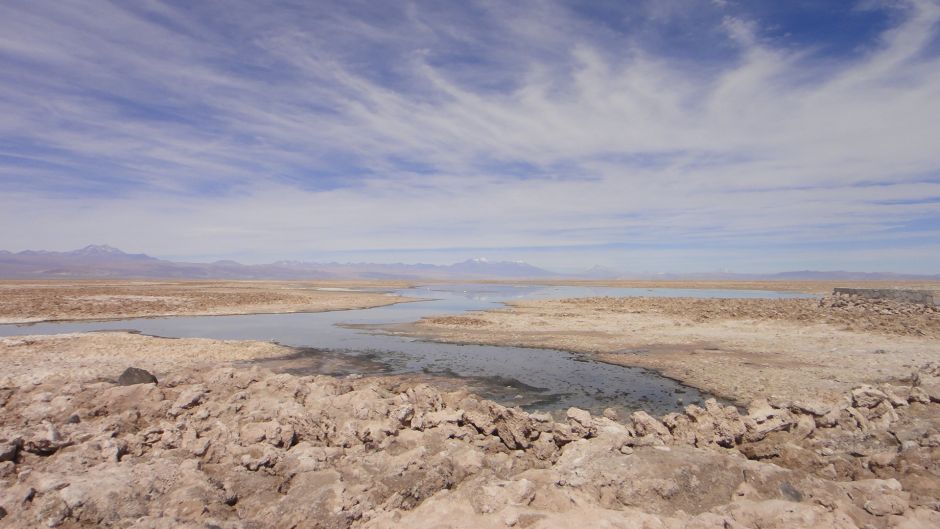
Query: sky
[(647, 136)]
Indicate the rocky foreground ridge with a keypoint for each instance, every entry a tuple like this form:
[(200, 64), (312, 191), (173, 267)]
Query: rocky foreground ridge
[(246, 448)]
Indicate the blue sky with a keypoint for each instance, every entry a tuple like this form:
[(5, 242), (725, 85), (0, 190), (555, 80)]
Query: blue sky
[(667, 135)]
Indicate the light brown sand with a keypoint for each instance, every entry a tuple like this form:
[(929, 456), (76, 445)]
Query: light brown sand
[(736, 349), (32, 301), (807, 286), (104, 355)]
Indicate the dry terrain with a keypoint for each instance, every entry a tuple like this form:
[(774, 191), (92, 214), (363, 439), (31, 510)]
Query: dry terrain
[(791, 285), (216, 444), (739, 349), (32, 301), (841, 427)]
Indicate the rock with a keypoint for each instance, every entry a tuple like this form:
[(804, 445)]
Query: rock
[(760, 450), (884, 505), (932, 391), (883, 459), (729, 428), (763, 419), (493, 497), (816, 408), (780, 403), (134, 375), (919, 395), (189, 398), (46, 442), (579, 416), (248, 448), (51, 510), (897, 395), (514, 430), (9, 449), (805, 426), (273, 432), (830, 419), (645, 425), (259, 456), (861, 422), (867, 397), (682, 429)]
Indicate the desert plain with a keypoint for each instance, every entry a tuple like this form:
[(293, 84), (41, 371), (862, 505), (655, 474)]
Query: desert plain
[(833, 421)]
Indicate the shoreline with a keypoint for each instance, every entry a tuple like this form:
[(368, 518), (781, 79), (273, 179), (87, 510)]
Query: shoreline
[(735, 354), (817, 287), (24, 303), (396, 301)]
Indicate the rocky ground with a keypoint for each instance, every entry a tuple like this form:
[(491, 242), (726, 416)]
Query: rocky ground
[(739, 349), (841, 429), (243, 448), (32, 301), (810, 286)]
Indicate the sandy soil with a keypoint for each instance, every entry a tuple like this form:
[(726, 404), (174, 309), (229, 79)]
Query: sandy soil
[(95, 356), (736, 349), (806, 286), (31, 301)]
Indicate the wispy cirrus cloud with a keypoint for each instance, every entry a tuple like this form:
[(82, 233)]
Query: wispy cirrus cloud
[(559, 133)]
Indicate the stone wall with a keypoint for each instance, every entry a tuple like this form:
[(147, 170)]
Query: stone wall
[(923, 297)]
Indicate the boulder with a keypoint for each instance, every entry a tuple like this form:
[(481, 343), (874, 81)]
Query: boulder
[(9, 449), (763, 419), (134, 375)]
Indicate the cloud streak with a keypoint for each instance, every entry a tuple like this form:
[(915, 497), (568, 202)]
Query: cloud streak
[(524, 130)]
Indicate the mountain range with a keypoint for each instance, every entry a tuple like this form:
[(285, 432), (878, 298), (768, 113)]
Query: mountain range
[(103, 262)]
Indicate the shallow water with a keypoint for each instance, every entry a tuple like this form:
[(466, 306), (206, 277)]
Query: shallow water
[(536, 379)]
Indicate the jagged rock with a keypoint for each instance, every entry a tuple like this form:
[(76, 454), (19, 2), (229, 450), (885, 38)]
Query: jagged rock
[(867, 397), (760, 450), (897, 395), (805, 426), (931, 390), (763, 419), (46, 442), (645, 425), (250, 448), (259, 455), (919, 395), (492, 497), (681, 428), (134, 375), (514, 429), (581, 422), (860, 421), (9, 449), (728, 425), (189, 398), (579, 416)]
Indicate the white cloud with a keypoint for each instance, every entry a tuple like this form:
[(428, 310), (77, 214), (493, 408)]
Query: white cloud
[(628, 147)]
